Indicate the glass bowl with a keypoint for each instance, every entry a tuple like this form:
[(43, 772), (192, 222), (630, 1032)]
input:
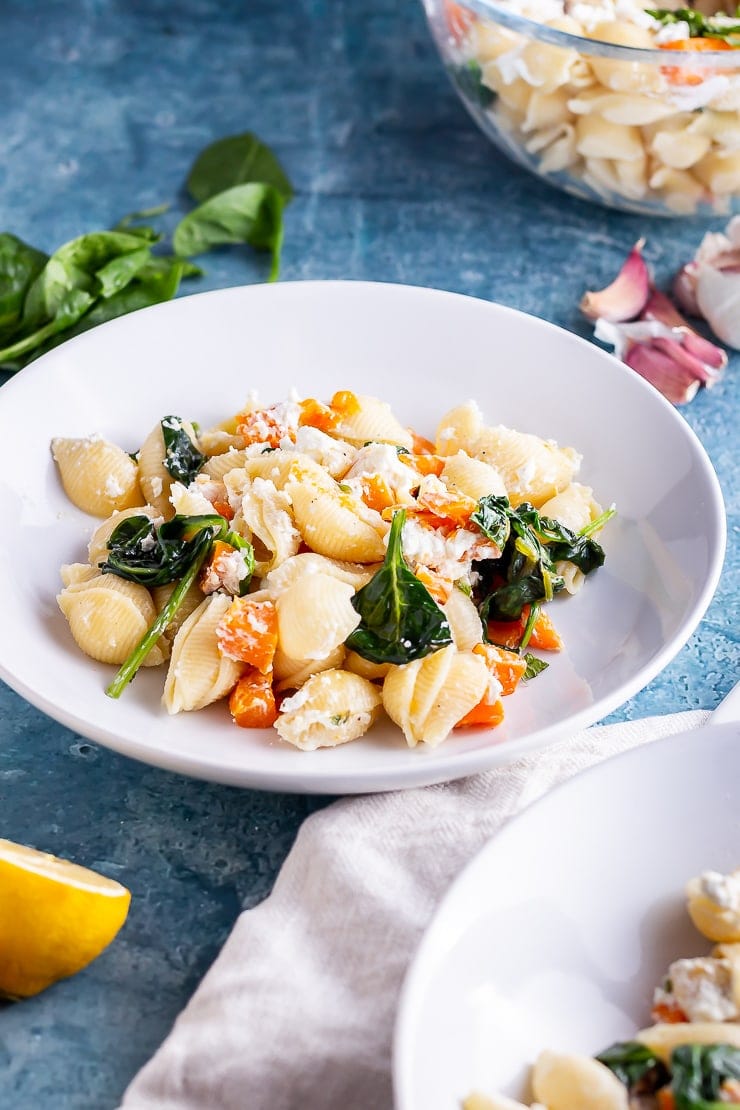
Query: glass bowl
[(613, 110)]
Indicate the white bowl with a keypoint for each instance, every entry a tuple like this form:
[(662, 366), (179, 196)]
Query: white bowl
[(557, 941), (424, 351)]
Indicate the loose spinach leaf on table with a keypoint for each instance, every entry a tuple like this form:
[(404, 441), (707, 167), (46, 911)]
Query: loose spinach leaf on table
[(250, 214), (182, 459), (400, 620), (19, 266), (236, 160)]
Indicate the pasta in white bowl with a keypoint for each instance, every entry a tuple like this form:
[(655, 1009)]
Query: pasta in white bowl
[(316, 577), (425, 352)]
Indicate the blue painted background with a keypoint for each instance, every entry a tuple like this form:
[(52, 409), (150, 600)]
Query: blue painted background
[(104, 105)]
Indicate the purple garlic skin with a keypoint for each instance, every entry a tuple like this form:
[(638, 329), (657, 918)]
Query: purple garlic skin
[(650, 335)]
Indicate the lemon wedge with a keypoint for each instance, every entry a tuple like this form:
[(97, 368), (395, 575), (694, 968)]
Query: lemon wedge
[(55, 917)]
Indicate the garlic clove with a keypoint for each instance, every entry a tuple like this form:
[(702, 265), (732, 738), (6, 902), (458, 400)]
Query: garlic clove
[(627, 295), (684, 289), (660, 309), (718, 297), (674, 381)]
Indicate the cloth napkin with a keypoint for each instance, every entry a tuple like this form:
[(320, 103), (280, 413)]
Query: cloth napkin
[(298, 1009)]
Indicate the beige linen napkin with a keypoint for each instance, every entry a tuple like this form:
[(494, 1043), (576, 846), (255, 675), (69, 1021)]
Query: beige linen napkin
[(297, 1012)]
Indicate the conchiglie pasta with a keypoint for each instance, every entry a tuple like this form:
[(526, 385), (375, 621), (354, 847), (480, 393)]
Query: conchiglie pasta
[(308, 562), (713, 920), (533, 469), (108, 616), (265, 517), (292, 673), (664, 1037), (427, 697), (154, 479), (463, 474), (464, 620), (315, 616), (372, 419), (571, 1082), (332, 708), (459, 429), (198, 673), (574, 507), (331, 522), (98, 477)]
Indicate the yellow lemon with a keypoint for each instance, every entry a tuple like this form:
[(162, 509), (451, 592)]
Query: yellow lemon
[(55, 917)]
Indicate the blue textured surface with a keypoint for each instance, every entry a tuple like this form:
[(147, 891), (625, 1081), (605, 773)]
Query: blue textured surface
[(105, 103)]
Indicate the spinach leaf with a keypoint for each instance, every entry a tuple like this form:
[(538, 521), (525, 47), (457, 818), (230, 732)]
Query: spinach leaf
[(531, 545), (120, 271), (236, 160), (243, 214), (129, 222), (493, 517), (68, 311), (158, 281), (182, 459), (74, 266), (400, 620), (635, 1065), (698, 1072), (154, 555), (19, 266)]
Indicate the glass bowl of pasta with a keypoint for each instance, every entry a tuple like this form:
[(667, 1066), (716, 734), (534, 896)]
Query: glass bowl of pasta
[(631, 106), (311, 572), (594, 968)]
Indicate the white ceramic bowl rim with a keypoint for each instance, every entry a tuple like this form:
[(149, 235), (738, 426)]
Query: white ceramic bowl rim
[(499, 13)]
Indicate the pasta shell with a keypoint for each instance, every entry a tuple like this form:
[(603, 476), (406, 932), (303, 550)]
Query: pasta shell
[(315, 616), (574, 507), (364, 667), (292, 673), (533, 469), (663, 1038), (332, 708), (331, 522), (464, 620), (476, 479), (711, 919), (459, 429), (570, 1082), (108, 616), (426, 698), (373, 420), (72, 573), (154, 479), (198, 674), (98, 477), (190, 602), (308, 562)]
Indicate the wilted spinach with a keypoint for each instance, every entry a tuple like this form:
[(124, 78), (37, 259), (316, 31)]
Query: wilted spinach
[(531, 545), (400, 620), (534, 666), (154, 555), (635, 1065), (182, 459), (698, 1072)]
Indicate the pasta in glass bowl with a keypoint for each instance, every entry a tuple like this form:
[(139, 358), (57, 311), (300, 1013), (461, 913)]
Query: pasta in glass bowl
[(630, 107)]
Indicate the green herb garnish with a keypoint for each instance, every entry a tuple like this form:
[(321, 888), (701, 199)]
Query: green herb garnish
[(700, 25)]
